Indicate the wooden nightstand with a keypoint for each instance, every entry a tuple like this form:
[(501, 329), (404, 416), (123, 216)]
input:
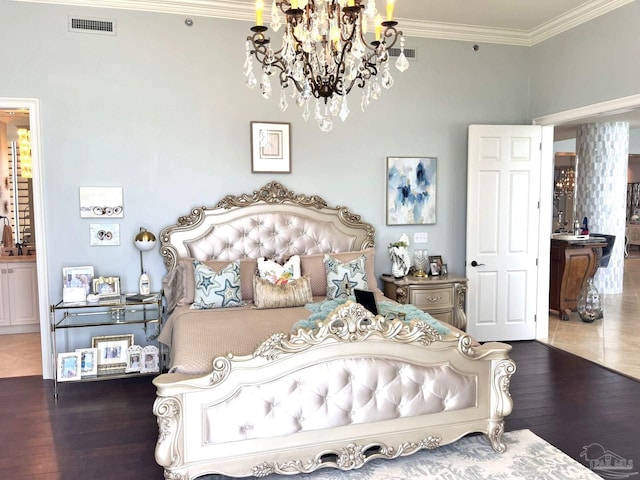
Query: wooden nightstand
[(442, 297)]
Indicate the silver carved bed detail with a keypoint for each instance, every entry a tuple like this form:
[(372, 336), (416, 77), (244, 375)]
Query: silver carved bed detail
[(354, 388)]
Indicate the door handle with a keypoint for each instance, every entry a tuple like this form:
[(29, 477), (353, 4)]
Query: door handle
[(476, 264)]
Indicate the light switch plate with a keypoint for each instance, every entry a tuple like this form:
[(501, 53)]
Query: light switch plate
[(420, 237)]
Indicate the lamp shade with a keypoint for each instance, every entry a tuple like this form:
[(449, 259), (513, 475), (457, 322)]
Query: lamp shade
[(145, 240)]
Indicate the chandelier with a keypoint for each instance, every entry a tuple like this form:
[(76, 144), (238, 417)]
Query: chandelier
[(324, 54), (565, 185)]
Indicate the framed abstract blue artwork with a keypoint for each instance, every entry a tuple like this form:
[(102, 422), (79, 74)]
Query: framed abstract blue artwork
[(411, 190)]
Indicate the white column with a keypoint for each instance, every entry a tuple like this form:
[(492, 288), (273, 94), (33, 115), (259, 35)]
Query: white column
[(603, 155)]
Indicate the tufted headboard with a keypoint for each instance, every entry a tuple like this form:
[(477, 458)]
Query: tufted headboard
[(271, 222)]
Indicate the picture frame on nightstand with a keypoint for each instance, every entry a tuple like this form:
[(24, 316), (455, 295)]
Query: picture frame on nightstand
[(107, 287), (69, 367), (150, 359), (435, 265), (88, 361), (76, 283), (112, 351), (134, 359)]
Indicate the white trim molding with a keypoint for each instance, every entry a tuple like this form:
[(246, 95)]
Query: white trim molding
[(609, 107)]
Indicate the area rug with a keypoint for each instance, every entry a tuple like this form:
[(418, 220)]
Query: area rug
[(528, 457)]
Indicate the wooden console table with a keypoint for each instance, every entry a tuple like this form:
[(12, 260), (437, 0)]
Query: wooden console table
[(573, 262), (441, 297)]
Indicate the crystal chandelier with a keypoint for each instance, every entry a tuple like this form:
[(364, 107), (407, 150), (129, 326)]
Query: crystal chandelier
[(324, 54), (565, 185)]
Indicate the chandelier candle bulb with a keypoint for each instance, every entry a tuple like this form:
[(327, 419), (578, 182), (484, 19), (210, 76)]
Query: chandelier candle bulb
[(294, 4), (390, 10), (259, 9), (378, 24)]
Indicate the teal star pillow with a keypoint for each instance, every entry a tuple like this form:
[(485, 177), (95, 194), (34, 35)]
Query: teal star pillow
[(216, 289), (342, 278)]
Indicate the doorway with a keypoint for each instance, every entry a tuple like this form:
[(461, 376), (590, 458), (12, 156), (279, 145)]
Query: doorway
[(29, 107), (622, 359)]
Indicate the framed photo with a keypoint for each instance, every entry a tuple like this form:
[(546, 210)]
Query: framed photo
[(88, 361), (444, 270), (435, 265), (104, 234), (69, 366), (112, 351), (106, 287), (101, 202), (411, 190), (270, 147), (134, 359), (76, 283), (434, 269), (150, 359)]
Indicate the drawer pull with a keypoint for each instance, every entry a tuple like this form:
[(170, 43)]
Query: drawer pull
[(434, 299)]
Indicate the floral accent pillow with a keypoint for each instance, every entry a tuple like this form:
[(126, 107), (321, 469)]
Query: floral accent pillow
[(343, 277), (279, 274), (216, 289)]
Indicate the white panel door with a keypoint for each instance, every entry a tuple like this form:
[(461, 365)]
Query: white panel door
[(503, 192)]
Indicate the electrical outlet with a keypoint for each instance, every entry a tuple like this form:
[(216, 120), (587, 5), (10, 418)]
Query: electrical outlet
[(420, 237)]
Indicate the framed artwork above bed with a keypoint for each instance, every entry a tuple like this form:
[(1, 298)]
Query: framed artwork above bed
[(270, 147)]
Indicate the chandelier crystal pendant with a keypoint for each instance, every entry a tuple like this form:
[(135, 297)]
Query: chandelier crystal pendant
[(324, 54)]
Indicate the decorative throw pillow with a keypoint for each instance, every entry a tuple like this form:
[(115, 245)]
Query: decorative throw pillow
[(279, 274), (313, 265), (343, 277), (294, 293), (216, 289)]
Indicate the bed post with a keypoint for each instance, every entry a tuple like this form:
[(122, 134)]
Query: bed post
[(168, 410)]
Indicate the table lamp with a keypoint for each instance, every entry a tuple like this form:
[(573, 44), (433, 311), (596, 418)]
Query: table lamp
[(144, 242)]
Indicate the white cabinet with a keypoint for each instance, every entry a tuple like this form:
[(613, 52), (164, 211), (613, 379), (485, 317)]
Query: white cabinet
[(19, 295)]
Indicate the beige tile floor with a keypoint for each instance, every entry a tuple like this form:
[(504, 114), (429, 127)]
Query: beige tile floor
[(20, 355), (613, 341)]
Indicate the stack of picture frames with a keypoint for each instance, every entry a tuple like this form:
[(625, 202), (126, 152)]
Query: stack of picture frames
[(111, 354), (437, 267)]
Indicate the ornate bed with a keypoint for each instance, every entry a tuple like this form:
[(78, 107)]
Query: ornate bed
[(337, 391)]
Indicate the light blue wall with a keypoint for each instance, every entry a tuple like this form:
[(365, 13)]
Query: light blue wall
[(591, 63), (162, 110)]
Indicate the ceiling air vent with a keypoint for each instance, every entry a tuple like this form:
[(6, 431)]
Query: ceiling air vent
[(410, 53), (102, 26)]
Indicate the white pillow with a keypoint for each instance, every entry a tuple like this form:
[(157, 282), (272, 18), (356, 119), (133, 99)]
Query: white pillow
[(278, 274)]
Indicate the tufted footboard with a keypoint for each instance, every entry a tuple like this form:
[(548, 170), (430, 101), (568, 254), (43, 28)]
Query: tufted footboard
[(355, 388)]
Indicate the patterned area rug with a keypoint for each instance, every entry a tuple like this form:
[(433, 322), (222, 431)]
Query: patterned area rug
[(470, 458)]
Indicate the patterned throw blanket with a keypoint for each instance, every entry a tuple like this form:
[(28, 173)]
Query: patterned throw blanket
[(322, 309)]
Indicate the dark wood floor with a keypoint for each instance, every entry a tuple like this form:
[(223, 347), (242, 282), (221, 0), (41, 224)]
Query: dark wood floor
[(106, 430)]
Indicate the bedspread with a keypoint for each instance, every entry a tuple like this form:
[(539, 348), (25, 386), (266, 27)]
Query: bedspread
[(196, 337)]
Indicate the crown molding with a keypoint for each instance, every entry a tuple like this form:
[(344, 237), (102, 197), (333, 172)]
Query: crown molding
[(244, 11), (573, 18)]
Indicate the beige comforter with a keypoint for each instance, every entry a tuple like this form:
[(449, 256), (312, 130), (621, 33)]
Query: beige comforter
[(196, 337)]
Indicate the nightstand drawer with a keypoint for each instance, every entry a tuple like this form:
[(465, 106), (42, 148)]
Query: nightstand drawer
[(431, 298), (446, 317)]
